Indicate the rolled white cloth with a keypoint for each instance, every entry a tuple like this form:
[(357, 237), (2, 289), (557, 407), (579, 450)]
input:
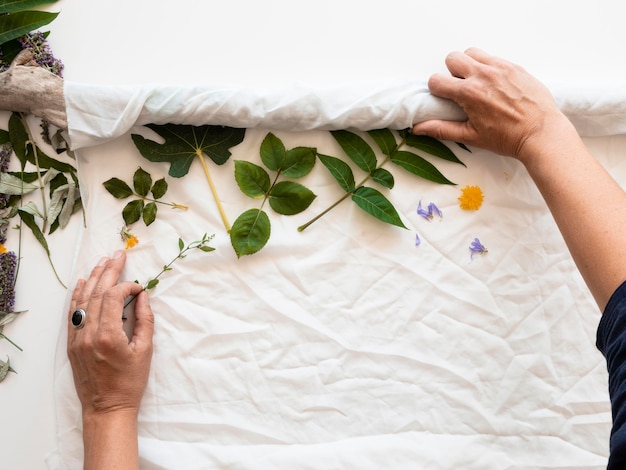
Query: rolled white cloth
[(99, 113)]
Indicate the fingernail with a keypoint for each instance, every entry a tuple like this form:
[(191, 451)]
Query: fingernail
[(118, 254), (103, 261)]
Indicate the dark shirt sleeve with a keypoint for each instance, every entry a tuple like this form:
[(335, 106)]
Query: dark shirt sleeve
[(611, 341)]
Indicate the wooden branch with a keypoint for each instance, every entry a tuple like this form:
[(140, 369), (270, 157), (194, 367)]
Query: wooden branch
[(28, 88)]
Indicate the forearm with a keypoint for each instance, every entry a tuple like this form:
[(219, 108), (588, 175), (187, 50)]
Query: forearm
[(110, 441), (588, 206)]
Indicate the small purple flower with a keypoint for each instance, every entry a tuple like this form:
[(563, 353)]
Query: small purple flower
[(8, 264), (429, 212), (418, 242), (477, 248)]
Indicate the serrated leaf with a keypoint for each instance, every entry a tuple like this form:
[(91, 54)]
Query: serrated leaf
[(149, 213), (17, 24), (252, 179), (118, 188), (183, 143), (385, 139), (142, 182), (299, 162), (374, 203), (159, 188), (340, 170), (288, 197), (419, 166), (431, 146), (357, 149), (12, 185), (383, 177), (9, 6), (132, 211), (29, 220), (152, 283), (273, 152), (250, 232)]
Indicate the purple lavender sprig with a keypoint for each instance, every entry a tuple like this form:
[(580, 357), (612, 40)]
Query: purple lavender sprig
[(42, 53), (477, 248)]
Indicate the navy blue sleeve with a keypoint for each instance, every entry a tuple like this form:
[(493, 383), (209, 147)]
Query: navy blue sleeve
[(611, 341)]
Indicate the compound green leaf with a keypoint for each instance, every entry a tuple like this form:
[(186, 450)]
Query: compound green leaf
[(340, 170), (182, 143), (159, 188), (431, 146), (132, 211), (250, 232), (385, 139), (419, 166), (142, 182), (299, 162), (288, 197), (374, 203), (357, 149), (252, 179), (118, 188), (149, 213)]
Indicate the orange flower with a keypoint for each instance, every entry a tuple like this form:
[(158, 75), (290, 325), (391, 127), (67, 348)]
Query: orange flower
[(128, 238), (471, 198), (3, 249)]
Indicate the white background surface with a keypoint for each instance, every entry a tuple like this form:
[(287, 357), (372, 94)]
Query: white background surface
[(265, 42)]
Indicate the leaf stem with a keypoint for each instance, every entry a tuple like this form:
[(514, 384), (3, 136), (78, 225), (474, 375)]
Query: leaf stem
[(213, 190), (31, 141), (2, 335)]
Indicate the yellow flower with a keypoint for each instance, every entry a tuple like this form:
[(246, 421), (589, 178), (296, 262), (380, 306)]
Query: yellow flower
[(3, 249), (471, 198), (128, 238)]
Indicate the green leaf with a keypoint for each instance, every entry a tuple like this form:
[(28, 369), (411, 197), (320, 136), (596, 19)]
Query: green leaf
[(206, 249), (463, 146), (299, 162), (181, 244), (385, 139), (383, 177), (159, 188), (418, 166), (183, 143), (149, 213), (118, 188), (142, 182), (44, 161), (340, 170), (132, 211), (273, 152), (152, 283), (250, 232), (431, 146), (252, 179), (10, 6), (19, 138), (29, 219), (4, 136), (357, 149), (374, 203), (4, 369), (17, 24), (288, 197), (12, 185)]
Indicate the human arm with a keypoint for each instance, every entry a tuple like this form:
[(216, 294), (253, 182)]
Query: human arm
[(511, 113), (110, 372)]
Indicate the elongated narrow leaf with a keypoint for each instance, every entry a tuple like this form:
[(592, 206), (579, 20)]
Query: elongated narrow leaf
[(374, 203), (273, 152), (10, 6), (44, 161), (159, 188), (142, 182), (132, 211), (299, 162), (4, 137), (385, 139), (149, 213), (19, 138), (29, 220), (118, 188), (357, 149), (17, 24), (289, 197), (12, 185), (419, 166), (183, 143), (340, 170), (431, 146), (251, 179), (383, 177), (57, 201), (250, 232)]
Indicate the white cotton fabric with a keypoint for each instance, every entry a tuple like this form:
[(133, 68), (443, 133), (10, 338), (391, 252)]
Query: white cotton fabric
[(346, 345), (97, 113)]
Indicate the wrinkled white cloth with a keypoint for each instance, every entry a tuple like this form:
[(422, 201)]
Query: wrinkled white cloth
[(97, 113)]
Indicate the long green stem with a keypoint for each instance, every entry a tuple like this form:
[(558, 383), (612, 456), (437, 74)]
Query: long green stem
[(213, 190), (2, 335)]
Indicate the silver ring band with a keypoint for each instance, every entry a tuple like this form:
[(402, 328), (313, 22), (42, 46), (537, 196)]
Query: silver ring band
[(78, 318)]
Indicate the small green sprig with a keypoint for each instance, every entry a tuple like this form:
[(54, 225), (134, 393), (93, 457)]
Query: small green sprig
[(183, 250), (143, 207)]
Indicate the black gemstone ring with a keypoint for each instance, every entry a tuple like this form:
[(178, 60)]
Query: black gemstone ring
[(78, 318)]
